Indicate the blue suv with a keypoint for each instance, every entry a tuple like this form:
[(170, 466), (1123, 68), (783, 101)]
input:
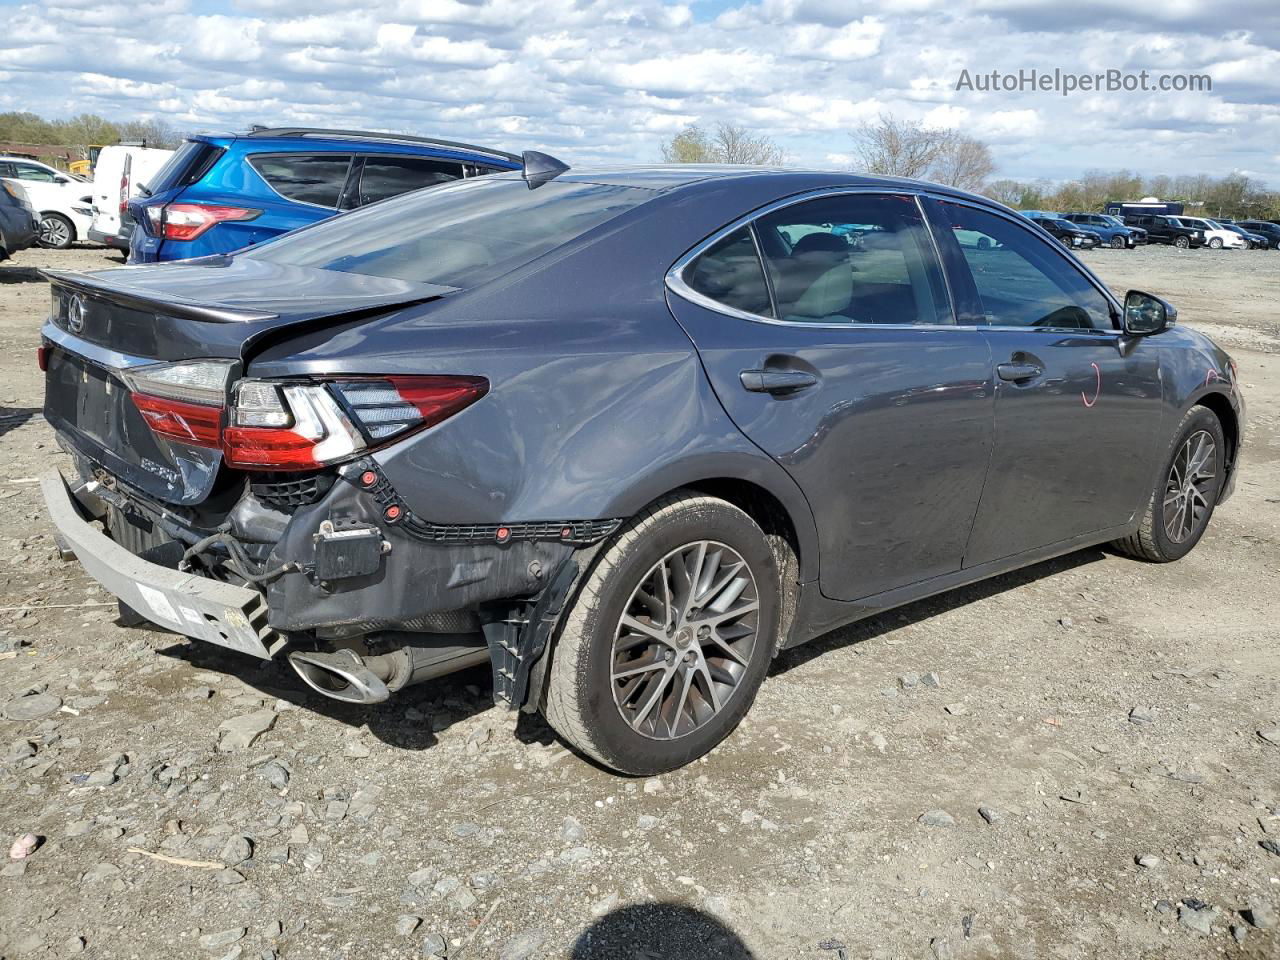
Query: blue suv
[(221, 193)]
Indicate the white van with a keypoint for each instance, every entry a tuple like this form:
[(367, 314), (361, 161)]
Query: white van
[(120, 171)]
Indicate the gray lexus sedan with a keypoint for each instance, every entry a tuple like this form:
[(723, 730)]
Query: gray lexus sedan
[(622, 433)]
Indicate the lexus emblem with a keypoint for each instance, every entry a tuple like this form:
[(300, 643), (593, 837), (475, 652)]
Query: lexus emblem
[(75, 314)]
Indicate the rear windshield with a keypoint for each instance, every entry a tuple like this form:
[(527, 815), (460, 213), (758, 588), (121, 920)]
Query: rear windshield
[(189, 163), (457, 235)]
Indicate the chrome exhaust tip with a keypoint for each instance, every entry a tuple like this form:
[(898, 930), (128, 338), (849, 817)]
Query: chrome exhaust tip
[(341, 675)]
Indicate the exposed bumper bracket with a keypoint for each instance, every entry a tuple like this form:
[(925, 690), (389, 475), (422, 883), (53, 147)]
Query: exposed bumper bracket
[(193, 606)]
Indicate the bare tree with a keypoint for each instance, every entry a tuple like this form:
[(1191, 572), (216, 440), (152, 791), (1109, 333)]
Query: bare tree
[(898, 148), (962, 162), (1008, 192), (734, 144), (728, 143)]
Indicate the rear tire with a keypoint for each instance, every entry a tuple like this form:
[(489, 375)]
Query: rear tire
[(1175, 517), (619, 646), (56, 231)]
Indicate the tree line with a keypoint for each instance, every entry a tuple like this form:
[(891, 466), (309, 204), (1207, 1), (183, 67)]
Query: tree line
[(84, 131), (894, 147)]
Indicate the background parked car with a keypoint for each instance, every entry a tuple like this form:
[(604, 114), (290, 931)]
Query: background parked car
[(1217, 236), (221, 193), (1265, 228), (1078, 238), (19, 225), (1111, 229), (61, 200), (1162, 229), (120, 175), (1255, 241)]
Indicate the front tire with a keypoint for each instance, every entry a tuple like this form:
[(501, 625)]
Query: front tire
[(1183, 500), (662, 652), (1182, 243), (1117, 243), (1215, 243), (56, 231)]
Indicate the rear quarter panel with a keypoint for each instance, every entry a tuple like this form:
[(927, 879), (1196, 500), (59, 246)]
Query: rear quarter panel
[(598, 402)]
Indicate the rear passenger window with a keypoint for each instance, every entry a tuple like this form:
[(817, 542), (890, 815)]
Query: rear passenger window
[(385, 177), (307, 179), (853, 258), (730, 273)]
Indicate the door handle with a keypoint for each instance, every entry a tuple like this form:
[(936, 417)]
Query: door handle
[(776, 381), (1018, 372)]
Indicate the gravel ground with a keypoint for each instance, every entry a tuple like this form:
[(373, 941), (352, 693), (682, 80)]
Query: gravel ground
[(1081, 759)]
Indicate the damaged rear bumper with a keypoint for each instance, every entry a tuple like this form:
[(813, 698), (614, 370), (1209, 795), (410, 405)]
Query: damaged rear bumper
[(220, 613)]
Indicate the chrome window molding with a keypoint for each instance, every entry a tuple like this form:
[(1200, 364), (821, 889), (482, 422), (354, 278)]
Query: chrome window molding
[(676, 284)]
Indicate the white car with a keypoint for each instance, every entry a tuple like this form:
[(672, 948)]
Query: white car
[(61, 201), (1215, 234), (119, 175)]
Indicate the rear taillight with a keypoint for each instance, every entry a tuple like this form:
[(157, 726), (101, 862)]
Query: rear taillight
[(182, 401), (193, 423), (124, 192), (186, 221), (300, 426), (292, 424)]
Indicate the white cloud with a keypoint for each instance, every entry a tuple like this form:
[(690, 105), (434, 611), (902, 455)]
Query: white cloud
[(611, 80)]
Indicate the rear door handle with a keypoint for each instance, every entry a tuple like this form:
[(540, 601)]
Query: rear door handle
[(776, 381), (1018, 372)]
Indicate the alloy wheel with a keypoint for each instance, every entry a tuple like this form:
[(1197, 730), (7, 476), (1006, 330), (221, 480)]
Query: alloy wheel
[(54, 232), (1189, 486), (685, 640)]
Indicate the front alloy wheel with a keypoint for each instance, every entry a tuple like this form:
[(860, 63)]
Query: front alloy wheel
[(1191, 482), (1182, 243), (1182, 503), (56, 231)]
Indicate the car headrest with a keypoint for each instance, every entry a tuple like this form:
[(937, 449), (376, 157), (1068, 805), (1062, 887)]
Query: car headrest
[(820, 242)]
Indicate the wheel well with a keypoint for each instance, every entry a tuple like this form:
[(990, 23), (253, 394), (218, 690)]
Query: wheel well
[(1221, 408), (772, 517)]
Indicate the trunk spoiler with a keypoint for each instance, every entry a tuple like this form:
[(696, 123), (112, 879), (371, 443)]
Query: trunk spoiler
[(142, 299)]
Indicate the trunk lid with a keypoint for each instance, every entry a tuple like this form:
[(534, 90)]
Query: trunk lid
[(216, 308)]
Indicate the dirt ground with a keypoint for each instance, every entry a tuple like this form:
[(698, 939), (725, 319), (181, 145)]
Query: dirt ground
[(1101, 711)]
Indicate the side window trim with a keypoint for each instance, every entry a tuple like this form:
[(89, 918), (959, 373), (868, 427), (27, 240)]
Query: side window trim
[(1112, 302), (764, 269), (676, 284)]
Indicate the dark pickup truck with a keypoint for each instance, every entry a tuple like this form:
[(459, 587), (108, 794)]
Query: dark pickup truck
[(1167, 230)]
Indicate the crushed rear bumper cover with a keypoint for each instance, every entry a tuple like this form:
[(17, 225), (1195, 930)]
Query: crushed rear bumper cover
[(220, 613)]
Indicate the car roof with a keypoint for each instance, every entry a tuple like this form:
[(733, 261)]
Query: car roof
[(786, 180), (375, 141)]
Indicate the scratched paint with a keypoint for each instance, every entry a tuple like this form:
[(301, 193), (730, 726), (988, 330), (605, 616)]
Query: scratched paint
[(1097, 391)]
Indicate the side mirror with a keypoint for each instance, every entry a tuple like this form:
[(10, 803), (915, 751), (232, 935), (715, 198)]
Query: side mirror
[(61, 180), (1145, 314)]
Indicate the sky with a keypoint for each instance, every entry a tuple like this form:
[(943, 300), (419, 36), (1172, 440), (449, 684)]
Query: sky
[(593, 82)]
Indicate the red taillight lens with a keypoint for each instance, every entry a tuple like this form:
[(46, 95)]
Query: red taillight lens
[(292, 425), (388, 407), (124, 192), (186, 221), (193, 423), (42, 357)]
